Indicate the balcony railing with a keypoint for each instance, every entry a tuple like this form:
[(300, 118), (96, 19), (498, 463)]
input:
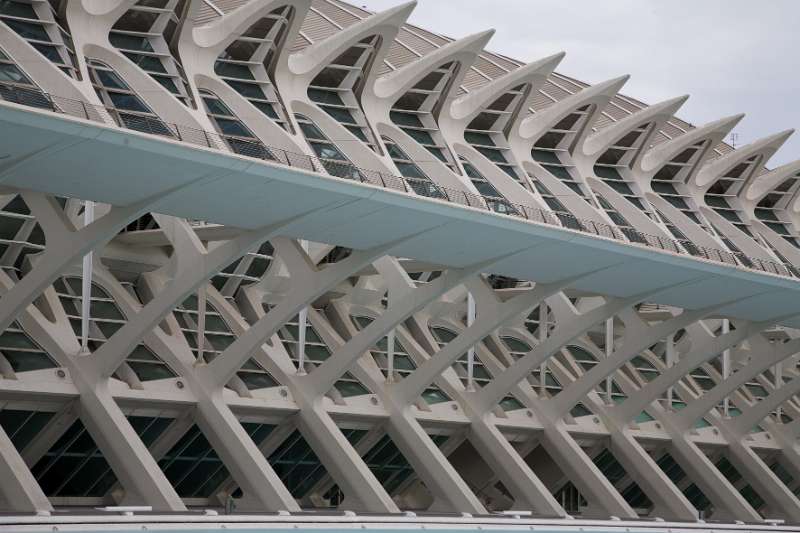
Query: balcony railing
[(346, 170)]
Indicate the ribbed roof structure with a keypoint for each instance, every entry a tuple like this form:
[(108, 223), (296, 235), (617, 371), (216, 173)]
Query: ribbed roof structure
[(292, 255)]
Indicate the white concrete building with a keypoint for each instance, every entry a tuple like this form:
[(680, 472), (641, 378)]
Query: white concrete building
[(290, 254)]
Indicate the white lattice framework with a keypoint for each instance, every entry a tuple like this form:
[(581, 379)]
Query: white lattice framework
[(230, 366)]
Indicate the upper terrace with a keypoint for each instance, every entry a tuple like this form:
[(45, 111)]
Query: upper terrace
[(184, 172)]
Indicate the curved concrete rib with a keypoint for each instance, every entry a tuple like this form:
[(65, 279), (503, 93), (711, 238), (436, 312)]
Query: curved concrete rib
[(534, 126), (466, 107), (389, 87), (661, 154), (717, 168), (597, 143)]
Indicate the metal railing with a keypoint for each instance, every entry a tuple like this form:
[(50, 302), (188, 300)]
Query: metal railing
[(345, 170)]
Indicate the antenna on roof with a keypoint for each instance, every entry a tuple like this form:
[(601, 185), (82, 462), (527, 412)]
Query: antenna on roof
[(734, 139)]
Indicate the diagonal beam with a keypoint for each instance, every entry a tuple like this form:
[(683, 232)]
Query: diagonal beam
[(631, 346), (489, 320), (778, 496), (188, 278), (517, 476), (497, 389), (125, 452), (314, 285), (65, 246), (247, 465), (728, 502), (604, 498), (19, 490), (324, 376), (698, 408), (756, 412), (704, 351)]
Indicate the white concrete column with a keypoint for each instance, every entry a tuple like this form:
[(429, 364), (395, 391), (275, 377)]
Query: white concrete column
[(302, 324), (728, 503), (332, 369), (542, 337), (529, 492), (604, 499), (362, 490), (668, 501), (779, 498), (129, 458), (670, 360), (390, 337), (609, 351), (450, 492), (86, 283), (471, 351), (636, 340), (202, 298), (241, 456), (726, 367), (19, 490)]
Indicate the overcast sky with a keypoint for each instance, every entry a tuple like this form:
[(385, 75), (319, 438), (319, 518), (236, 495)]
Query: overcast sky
[(731, 56)]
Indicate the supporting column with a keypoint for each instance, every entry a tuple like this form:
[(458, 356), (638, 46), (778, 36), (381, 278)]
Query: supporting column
[(777, 495), (247, 465), (390, 338), (450, 491), (529, 493), (202, 297), (129, 458), (609, 351), (19, 490), (670, 360), (543, 325), (362, 490), (302, 324), (86, 283), (604, 499), (669, 502), (728, 503), (471, 351), (342, 359), (726, 367)]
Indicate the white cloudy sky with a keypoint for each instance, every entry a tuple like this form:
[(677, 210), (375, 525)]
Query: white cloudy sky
[(731, 56)]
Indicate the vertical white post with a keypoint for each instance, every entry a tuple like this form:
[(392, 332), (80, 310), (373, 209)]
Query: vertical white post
[(670, 359), (471, 351), (86, 285), (202, 298), (778, 372), (726, 367), (609, 353), (302, 320), (390, 356), (542, 338)]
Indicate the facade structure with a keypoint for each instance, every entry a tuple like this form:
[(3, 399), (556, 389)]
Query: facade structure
[(188, 364)]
